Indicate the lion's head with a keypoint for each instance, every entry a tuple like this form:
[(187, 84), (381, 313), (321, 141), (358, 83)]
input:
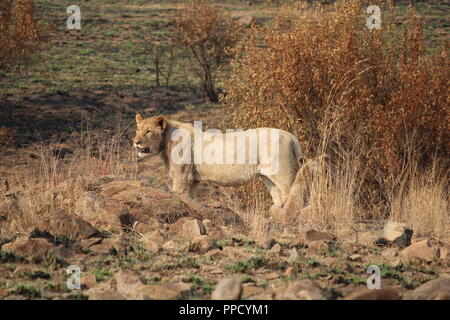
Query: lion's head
[(149, 139)]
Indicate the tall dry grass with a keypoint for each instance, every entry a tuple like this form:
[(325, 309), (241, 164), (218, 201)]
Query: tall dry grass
[(58, 182), (375, 101)]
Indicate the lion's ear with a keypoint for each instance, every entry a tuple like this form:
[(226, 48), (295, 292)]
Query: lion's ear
[(161, 122), (139, 118)]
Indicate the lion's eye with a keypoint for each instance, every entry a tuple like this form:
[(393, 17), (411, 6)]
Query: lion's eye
[(147, 131)]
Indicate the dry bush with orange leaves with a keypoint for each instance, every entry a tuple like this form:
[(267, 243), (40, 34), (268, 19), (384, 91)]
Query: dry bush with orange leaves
[(20, 32), (209, 33), (374, 96)]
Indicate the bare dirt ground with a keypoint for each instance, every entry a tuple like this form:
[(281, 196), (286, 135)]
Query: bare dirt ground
[(73, 192)]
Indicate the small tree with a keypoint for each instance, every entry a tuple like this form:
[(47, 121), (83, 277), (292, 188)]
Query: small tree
[(209, 33)]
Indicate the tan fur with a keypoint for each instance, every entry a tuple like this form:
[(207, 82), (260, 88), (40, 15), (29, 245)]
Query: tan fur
[(155, 133)]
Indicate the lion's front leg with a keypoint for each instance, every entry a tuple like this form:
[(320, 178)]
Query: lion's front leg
[(182, 178)]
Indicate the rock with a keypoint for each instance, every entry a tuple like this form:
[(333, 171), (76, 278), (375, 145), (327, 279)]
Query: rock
[(171, 246), (151, 224), (157, 292), (276, 249), (103, 248), (71, 226), (37, 248), (181, 289), (246, 21), (104, 291), (187, 228), (374, 294), (398, 234), (437, 289), (390, 253), (320, 247), (130, 285), (305, 289), (266, 243), (203, 244), (89, 281), (147, 201), (103, 213), (228, 289), (292, 256), (250, 289), (236, 253), (329, 261), (87, 243), (214, 254), (271, 276), (427, 250), (212, 230), (313, 235), (153, 241), (355, 257), (290, 272)]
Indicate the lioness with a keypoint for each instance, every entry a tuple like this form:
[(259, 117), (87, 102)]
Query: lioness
[(159, 135)]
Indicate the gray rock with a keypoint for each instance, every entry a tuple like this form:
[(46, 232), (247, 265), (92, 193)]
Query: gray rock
[(437, 289), (228, 289), (397, 233)]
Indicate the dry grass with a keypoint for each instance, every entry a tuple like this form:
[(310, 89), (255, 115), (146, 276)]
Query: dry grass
[(58, 182), (422, 202), (374, 101)]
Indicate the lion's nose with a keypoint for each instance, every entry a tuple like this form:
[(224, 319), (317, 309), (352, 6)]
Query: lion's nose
[(137, 143)]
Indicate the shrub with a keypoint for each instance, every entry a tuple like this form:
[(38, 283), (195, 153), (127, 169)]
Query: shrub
[(20, 32), (209, 33), (343, 89)]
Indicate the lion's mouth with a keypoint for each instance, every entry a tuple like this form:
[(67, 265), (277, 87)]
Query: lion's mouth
[(143, 150)]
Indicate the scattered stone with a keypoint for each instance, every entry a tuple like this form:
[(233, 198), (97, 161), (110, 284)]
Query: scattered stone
[(390, 253), (89, 281), (271, 276), (426, 249), (153, 241), (228, 289), (276, 249), (313, 235), (246, 21), (236, 253), (374, 294), (355, 257), (203, 244), (36, 248), (250, 289), (305, 289), (129, 284), (290, 272), (397, 233), (266, 243), (437, 289), (71, 226), (214, 254), (103, 213), (104, 291), (320, 247), (87, 243), (329, 261), (181, 289), (187, 228), (292, 256)]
